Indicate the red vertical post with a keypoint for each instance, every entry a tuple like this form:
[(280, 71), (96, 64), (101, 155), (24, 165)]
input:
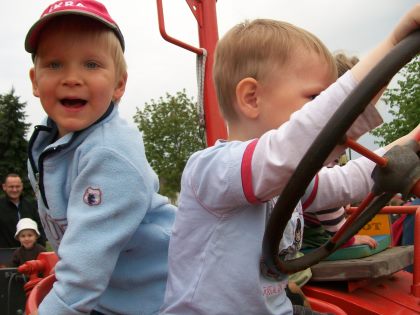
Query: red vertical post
[(205, 14), (415, 288), (208, 37)]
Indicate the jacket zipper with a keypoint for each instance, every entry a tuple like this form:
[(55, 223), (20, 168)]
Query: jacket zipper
[(38, 170)]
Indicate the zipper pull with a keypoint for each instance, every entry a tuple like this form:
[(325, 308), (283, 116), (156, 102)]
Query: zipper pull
[(36, 183)]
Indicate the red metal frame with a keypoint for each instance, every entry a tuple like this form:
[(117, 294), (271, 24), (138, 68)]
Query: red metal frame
[(415, 287), (380, 297), (368, 199), (37, 288), (205, 14), (38, 293), (399, 294), (325, 307), (379, 160)]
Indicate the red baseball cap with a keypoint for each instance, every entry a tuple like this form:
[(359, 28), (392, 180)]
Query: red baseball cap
[(89, 8)]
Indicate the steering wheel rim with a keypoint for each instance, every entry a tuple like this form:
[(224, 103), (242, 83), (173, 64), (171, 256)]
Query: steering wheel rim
[(318, 152)]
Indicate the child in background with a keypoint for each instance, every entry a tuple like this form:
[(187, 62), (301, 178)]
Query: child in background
[(276, 89), (344, 62), (27, 234), (97, 194), (321, 225)]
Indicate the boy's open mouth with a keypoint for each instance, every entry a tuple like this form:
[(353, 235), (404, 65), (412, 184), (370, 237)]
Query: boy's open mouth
[(74, 102)]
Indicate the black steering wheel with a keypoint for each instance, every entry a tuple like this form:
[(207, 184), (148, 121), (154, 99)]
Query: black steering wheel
[(400, 162)]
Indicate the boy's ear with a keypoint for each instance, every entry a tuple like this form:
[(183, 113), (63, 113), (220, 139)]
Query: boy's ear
[(120, 87), (246, 97), (34, 84)]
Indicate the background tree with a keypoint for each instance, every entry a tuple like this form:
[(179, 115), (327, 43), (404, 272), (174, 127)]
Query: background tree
[(404, 105), (171, 133), (13, 143)]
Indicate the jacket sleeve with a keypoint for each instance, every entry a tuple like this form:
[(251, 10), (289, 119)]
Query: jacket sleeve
[(107, 203), (342, 185)]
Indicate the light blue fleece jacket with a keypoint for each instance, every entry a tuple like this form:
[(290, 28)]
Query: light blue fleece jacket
[(98, 202)]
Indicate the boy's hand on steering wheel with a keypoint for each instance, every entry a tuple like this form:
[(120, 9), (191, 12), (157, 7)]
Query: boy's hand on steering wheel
[(408, 23)]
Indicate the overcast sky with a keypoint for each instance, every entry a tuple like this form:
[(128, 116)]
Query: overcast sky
[(156, 67)]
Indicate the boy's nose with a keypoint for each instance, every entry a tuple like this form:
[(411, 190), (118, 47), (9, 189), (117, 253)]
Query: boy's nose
[(72, 78)]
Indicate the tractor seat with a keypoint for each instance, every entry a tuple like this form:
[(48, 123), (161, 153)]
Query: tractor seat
[(380, 264), (358, 251)]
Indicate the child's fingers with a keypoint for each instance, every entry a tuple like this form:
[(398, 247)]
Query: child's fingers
[(373, 243), (367, 240), (409, 23)]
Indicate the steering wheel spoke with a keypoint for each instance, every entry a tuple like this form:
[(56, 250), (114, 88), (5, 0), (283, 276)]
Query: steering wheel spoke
[(379, 160)]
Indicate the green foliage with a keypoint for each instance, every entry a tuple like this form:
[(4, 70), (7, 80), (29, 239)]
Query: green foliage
[(171, 133), (404, 105), (13, 143)]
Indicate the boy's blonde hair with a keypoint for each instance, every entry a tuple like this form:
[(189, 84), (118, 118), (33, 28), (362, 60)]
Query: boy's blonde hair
[(94, 29), (253, 49)]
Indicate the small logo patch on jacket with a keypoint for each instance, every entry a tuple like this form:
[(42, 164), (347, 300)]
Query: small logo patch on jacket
[(92, 196)]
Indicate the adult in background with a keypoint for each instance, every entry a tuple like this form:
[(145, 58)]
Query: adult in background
[(13, 207)]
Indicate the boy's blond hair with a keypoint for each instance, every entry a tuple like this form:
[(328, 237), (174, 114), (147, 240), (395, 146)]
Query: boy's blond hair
[(253, 49), (91, 28)]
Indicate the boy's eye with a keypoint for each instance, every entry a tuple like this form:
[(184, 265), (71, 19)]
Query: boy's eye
[(91, 65), (54, 65), (313, 96)]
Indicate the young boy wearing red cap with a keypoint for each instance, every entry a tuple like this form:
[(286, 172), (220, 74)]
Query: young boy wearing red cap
[(27, 234), (97, 194)]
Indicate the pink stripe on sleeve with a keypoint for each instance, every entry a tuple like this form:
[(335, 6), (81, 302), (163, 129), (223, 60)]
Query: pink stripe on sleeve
[(312, 196), (246, 172)]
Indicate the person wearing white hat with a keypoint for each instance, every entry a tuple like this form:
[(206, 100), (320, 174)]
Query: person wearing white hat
[(27, 234)]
